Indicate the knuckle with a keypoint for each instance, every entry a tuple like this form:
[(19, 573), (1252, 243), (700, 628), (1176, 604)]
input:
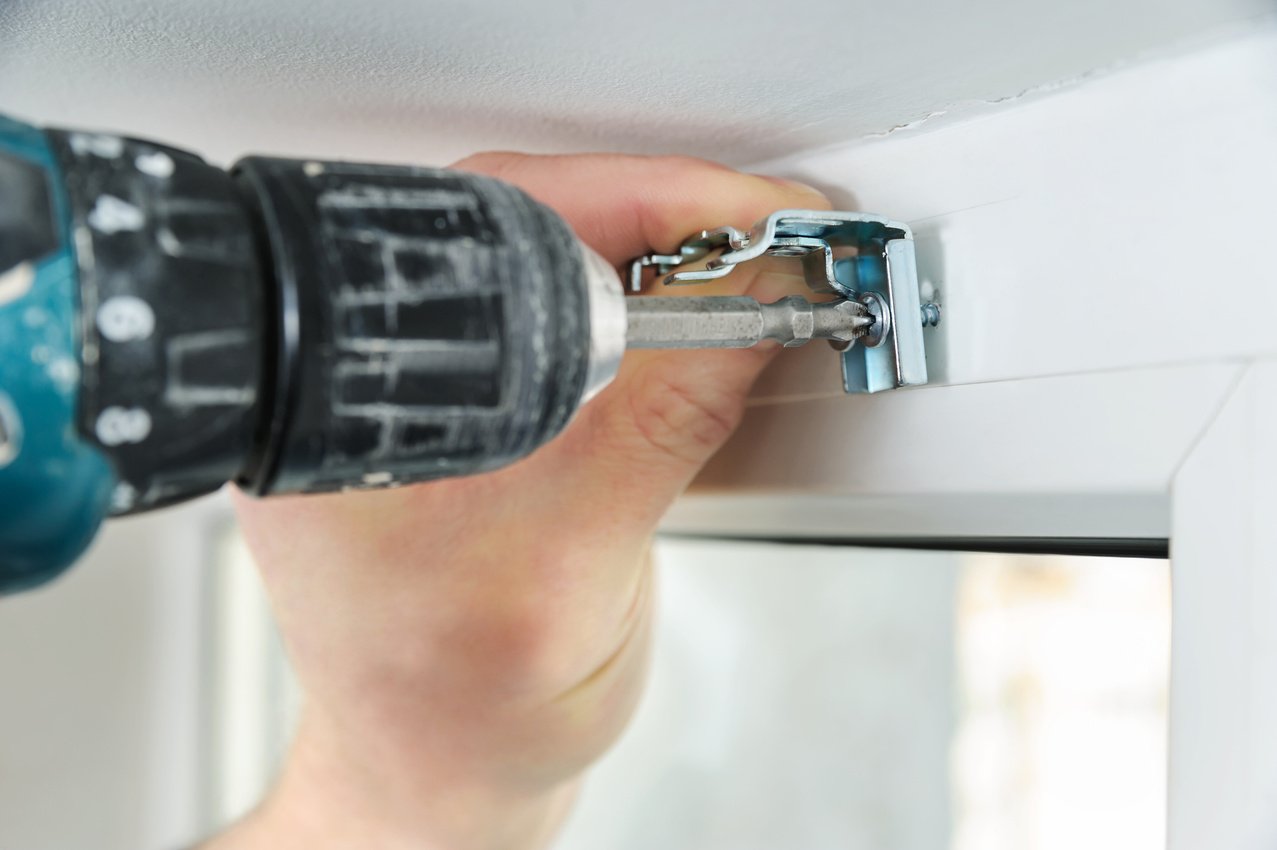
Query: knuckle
[(680, 421), (537, 647), (521, 650)]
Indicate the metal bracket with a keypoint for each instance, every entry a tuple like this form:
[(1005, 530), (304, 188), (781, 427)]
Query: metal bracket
[(878, 270)]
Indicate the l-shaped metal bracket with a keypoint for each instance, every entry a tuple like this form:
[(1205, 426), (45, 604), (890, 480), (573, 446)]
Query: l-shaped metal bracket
[(879, 270)]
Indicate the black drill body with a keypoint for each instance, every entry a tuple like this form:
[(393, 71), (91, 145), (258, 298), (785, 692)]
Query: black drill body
[(317, 326)]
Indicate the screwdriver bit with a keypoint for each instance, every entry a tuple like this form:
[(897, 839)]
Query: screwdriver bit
[(738, 321)]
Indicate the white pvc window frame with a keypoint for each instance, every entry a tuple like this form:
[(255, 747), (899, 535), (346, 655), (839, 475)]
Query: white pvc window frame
[(1106, 368)]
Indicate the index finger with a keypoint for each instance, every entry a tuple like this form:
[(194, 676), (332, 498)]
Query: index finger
[(623, 205)]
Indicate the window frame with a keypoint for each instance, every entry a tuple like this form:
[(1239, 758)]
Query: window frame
[(1106, 369)]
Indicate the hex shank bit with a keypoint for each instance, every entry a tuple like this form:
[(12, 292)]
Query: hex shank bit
[(737, 321)]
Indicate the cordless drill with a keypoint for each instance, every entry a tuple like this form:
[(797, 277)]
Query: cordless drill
[(167, 326)]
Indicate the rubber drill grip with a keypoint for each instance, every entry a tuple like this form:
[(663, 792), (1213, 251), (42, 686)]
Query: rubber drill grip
[(171, 335), (429, 323)]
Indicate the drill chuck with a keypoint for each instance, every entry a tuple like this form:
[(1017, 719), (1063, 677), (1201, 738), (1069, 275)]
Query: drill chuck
[(428, 324)]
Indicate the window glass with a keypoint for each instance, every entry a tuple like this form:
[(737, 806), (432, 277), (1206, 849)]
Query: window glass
[(832, 697)]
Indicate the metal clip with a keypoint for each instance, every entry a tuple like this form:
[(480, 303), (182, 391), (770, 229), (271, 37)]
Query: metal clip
[(879, 272)]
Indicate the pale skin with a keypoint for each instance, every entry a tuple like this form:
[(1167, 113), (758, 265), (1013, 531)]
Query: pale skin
[(469, 647)]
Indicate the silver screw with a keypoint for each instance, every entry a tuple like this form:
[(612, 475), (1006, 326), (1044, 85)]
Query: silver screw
[(930, 314)]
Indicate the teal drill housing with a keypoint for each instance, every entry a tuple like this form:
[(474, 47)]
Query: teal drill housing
[(55, 487)]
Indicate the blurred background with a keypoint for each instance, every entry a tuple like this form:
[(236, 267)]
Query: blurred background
[(801, 696)]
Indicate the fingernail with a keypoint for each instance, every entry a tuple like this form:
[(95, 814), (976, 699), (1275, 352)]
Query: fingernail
[(795, 185)]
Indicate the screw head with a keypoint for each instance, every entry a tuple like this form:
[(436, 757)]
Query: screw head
[(877, 308)]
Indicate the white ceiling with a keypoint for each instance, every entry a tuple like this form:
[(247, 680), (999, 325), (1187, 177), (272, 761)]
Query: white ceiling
[(429, 80)]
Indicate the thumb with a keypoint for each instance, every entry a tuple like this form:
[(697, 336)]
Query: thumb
[(667, 413)]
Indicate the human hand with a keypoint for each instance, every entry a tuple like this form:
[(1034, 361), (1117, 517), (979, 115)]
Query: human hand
[(467, 647)]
